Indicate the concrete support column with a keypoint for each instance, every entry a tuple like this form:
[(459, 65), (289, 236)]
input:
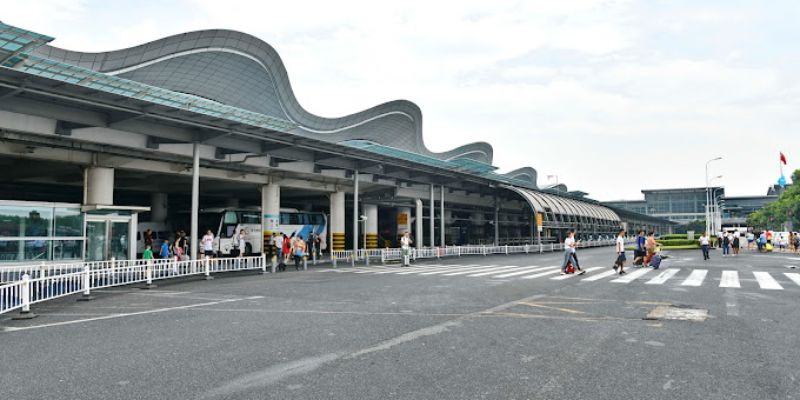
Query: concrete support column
[(496, 222), (355, 211), (418, 223), (433, 210), (441, 218), (98, 186), (270, 213), (194, 246), (158, 207), (371, 212), (337, 220)]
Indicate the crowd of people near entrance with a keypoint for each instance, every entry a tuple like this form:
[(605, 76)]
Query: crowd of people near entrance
[(295, 248)]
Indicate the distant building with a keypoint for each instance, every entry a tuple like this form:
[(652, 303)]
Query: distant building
[(684, 205)]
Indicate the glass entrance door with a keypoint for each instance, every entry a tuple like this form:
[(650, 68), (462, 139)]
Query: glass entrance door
[(107, 238), (96, 240)]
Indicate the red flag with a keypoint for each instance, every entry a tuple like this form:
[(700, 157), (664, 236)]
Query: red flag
[(783, 159)]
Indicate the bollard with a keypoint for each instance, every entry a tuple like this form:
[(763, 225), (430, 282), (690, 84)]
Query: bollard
[(353, 260), (208, 269), (305, 263), (526, 249), (175, 266), (484, 250), (333, 259), (366, 258), (541, 250), (25, 290), (506, 249), (314, 257), (383, 256), (274, 264), (263, 263), (86, 285), (437, 253)]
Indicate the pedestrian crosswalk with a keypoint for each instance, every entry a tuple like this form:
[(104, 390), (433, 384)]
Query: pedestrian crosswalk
[(684, 277)]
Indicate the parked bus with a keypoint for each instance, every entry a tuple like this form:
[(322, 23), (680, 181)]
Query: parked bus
[(226, 223)]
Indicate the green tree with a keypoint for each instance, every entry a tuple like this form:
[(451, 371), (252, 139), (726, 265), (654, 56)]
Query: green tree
[(786, 208)]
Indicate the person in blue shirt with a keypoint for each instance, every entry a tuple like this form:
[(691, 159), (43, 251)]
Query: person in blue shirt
[(165, 249), (638, 258)]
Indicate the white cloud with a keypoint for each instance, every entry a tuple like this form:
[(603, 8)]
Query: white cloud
[(612, 96)]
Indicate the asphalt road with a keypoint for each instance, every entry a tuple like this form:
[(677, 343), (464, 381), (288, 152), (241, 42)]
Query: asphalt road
[(496, 327)]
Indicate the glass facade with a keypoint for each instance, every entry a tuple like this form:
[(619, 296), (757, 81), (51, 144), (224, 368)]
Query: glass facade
[(40, 232)]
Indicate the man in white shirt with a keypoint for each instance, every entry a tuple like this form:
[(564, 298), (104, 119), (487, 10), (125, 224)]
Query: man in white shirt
[(569, 253), (279, 246), (704, 245), (208, 243), (405, 246), (619, 265)]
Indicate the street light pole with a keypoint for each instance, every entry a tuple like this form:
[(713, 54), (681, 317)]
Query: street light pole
[(708, 197)]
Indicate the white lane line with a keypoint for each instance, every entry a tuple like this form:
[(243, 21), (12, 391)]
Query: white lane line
[(541, 274), (487, 268), (766, 281), (398, 269), (729, 279), (794, 276), (529, 269), (696, 278), (599, 276), (632, 276), (369, 270), (516, 268), (562, 277), (114, 316), (664, 276)]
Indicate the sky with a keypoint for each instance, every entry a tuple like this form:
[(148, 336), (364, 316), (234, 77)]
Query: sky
[(608, 97)]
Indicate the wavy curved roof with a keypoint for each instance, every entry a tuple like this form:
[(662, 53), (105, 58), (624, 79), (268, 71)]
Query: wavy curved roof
[(243, 71)]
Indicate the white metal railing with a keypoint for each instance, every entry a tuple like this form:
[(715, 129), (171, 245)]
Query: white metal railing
[(395, 254), (50, 285)]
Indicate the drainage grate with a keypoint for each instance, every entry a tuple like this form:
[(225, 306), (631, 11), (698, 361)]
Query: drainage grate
[(677, 312)]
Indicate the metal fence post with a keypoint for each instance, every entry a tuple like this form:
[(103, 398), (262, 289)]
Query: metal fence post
[(25, 313), (87, 282), (208, 269)]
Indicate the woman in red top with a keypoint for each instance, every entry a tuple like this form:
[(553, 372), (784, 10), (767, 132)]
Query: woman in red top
[(287, 248)]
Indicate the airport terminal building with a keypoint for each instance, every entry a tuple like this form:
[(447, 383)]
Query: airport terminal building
[(93, 146)]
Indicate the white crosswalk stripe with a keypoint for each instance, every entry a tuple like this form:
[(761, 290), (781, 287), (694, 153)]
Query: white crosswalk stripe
[(562, 277), (532, 268), (492, 272), (600, 276), (453, 269), (492, 269), (766, 281), (730, 279), (794, 276), (664, 276), (632, 276), (727, 279), (541, 274), (696, 278)]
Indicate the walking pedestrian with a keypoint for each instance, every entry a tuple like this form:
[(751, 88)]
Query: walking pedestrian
[(650, 247), (726, 245), (279, 247), (208, 244), (164, 249), (287, 248), (796, 242), (147, 254), (405, 248), (242, 244), (148, 238), (735, 244), (298, 251), (619, 264), (639, 254), (570, 254), (704, 245)]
